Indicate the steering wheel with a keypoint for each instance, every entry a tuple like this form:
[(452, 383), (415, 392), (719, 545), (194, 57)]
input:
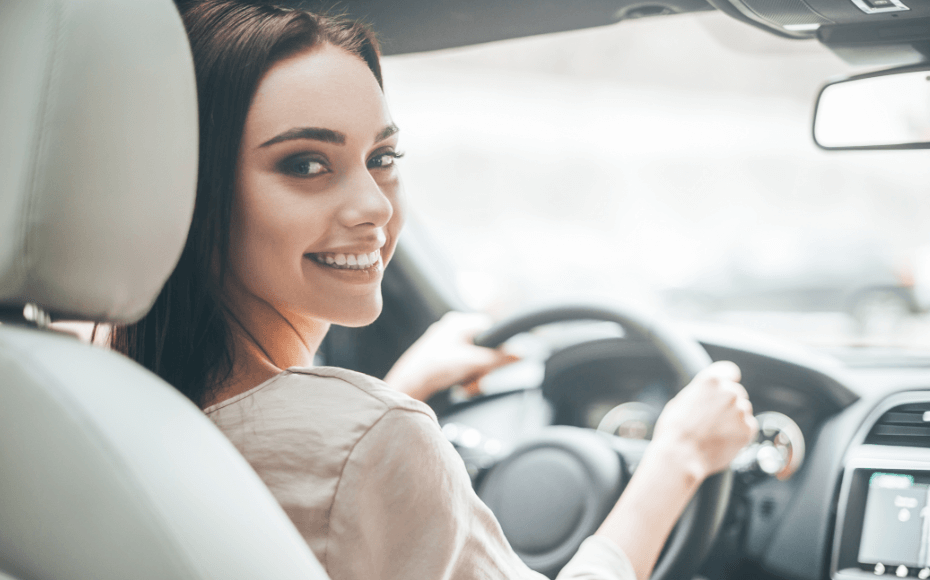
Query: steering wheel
[(554, 490)]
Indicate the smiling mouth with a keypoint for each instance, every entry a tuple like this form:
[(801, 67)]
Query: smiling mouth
[(348, 261)]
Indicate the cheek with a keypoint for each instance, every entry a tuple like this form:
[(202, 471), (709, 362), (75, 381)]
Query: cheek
[(273, 226), (395, 193)]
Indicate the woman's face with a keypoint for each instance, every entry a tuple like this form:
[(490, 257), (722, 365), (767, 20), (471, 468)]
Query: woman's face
[(317, 207)]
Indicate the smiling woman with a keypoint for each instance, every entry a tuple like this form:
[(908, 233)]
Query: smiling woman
[(316, 212), (299, 207)]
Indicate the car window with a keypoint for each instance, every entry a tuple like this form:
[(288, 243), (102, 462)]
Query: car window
[(665, 162)]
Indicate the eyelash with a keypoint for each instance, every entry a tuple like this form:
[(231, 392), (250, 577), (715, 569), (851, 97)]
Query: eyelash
[(392, 155), (290, 164)]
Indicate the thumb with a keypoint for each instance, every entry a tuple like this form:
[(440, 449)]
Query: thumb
[(491, 359), (721, 370), (488, 359)]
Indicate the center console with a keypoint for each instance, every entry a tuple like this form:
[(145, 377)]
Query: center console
[(883, 514)]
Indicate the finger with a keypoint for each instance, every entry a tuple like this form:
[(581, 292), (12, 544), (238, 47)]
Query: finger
[(724, 370), (744, 405), (736, 388), (472, 388), (753, 425), (467, 323), (478, 363), (490, 359)]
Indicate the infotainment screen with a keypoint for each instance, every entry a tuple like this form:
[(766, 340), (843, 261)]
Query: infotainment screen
[(896, 523)]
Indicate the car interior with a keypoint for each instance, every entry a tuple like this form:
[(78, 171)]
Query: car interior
[(108, 472)]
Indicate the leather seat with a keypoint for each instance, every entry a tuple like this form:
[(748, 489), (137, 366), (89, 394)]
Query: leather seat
[(106, 472)]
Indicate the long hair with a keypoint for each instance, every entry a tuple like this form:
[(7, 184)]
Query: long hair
[(185, 337)]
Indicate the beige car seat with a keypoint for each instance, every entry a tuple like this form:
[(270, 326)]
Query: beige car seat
[(106, 472)]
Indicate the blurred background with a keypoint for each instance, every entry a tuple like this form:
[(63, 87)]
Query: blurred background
[(615, 163)]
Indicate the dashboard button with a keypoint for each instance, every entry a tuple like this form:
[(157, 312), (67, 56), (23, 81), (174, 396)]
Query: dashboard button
[(879, 569)]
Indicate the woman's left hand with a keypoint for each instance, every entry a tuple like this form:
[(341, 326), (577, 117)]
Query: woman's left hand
[(446, 355)]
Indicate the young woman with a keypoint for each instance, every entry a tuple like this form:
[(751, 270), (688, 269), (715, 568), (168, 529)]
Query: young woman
[(299, 207)]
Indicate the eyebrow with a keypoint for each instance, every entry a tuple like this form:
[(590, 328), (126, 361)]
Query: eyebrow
[(386, 132), (325, 135), (314, 133)]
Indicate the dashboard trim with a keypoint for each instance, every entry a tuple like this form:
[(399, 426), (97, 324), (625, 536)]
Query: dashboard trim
[(865, 456)]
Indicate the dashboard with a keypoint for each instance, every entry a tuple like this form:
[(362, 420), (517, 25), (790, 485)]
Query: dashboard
[(883, 519), (838, 513)]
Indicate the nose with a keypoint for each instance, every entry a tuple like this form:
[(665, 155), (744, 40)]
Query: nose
[(365, 202)]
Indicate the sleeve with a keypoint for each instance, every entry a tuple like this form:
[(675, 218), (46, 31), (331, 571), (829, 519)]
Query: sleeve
[(598, 559), (405, 508)]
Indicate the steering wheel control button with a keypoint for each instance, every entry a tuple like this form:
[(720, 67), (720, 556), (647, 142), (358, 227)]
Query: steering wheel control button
[(553, 492)]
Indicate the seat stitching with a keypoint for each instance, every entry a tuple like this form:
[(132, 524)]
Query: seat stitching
[(26, 232)]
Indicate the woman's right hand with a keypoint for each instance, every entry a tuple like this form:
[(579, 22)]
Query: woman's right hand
[(699, 433), (709, 421)]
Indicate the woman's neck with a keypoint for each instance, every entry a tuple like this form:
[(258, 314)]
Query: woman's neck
[(265, 341)]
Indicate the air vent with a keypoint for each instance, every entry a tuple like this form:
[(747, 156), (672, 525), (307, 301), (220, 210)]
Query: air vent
[(903, 426)]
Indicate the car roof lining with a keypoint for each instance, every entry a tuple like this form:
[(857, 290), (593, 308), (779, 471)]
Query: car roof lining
[(426, 25), (410, 26)]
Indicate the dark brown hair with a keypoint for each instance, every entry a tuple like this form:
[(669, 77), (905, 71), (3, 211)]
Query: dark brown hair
[(185, 338)]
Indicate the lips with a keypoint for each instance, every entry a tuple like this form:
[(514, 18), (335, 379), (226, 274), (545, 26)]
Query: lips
[(344, 261)]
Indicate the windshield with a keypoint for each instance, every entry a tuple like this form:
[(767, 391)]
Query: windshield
[(665, 162)]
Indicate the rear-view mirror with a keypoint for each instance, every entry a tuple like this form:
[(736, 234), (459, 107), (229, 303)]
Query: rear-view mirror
[(884, 110)]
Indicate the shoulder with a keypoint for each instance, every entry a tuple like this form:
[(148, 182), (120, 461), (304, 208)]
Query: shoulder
[(331, 406), (317, 387), (302, 428), (372, 391)]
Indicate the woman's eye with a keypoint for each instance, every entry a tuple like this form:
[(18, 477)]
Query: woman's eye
[(304, 167), (384, 159)]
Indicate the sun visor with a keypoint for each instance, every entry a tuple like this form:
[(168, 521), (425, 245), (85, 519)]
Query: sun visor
[(863, 32)]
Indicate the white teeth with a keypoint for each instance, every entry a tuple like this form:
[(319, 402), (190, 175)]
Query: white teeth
[(350, 261)]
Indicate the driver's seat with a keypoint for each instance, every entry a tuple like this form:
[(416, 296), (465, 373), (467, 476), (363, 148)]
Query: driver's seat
[(106, 472)]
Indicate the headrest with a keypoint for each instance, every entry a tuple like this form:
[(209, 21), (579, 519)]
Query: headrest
[(98, 154)]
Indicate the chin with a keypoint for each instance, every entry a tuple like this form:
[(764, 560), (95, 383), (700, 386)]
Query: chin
[(361, 315)]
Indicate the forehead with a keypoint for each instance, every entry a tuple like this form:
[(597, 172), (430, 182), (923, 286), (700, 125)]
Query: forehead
[(324, 87)]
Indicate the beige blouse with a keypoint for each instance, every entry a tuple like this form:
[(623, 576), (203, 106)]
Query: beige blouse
[(374, 487)]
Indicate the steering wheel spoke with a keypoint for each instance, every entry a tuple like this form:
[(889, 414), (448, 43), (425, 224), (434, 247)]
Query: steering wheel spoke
[(630, 450)]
